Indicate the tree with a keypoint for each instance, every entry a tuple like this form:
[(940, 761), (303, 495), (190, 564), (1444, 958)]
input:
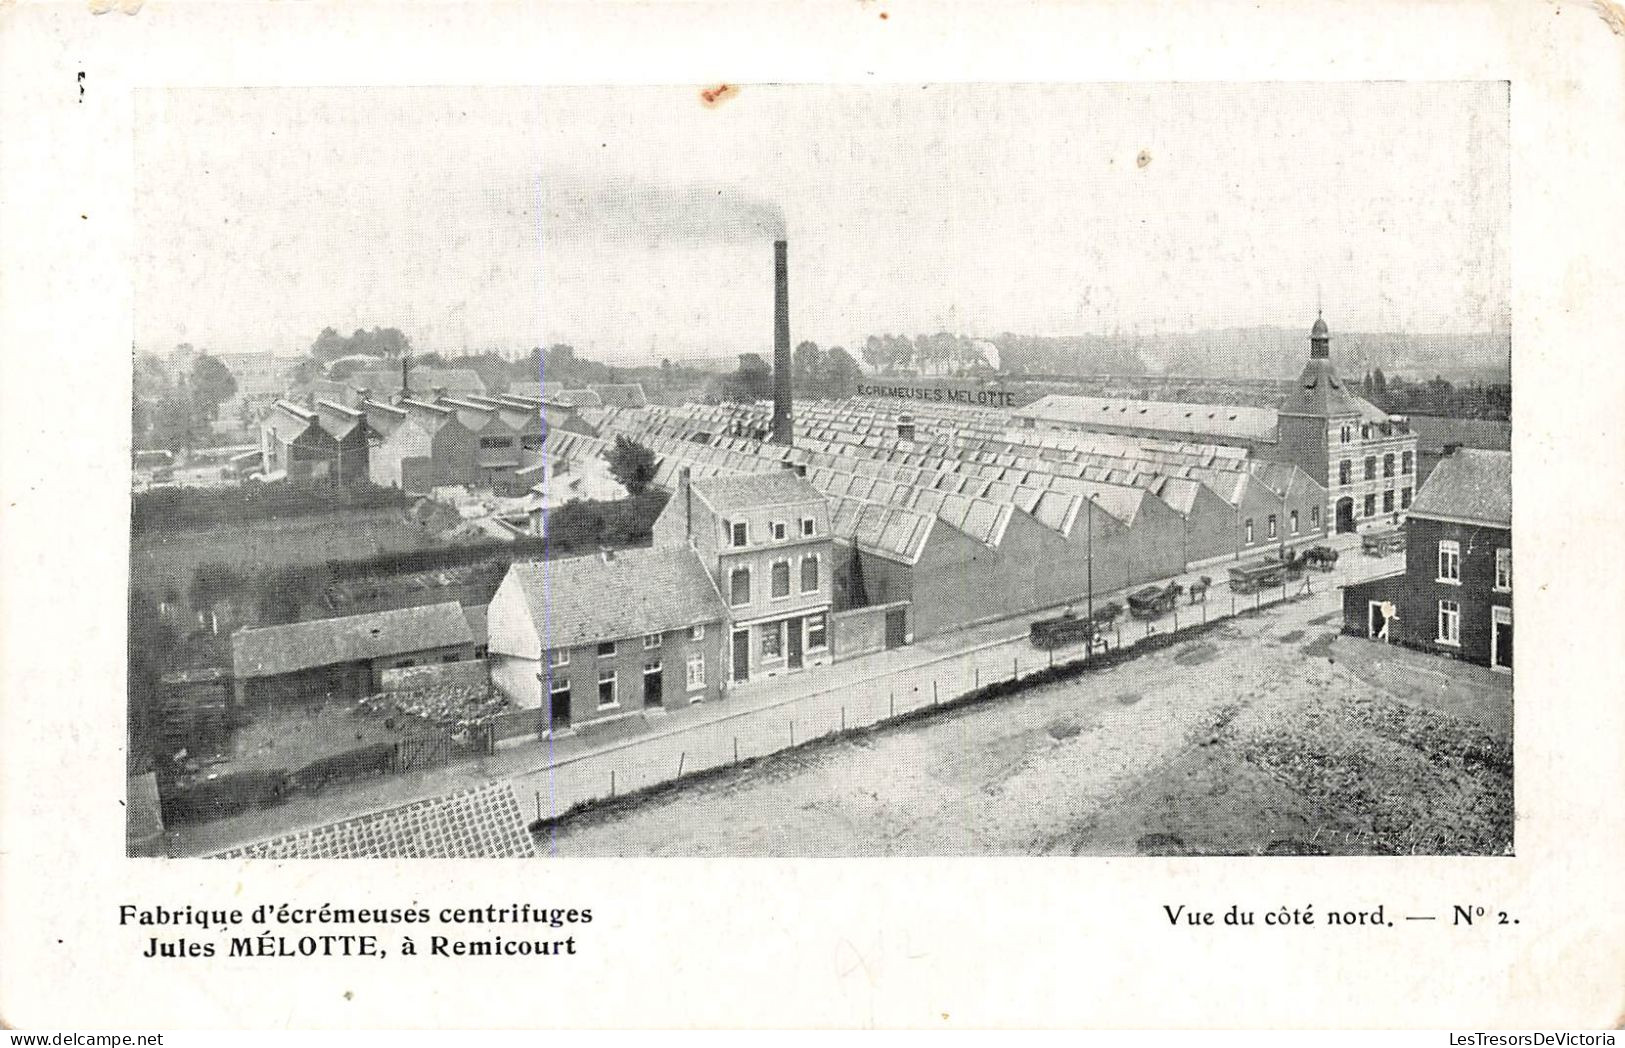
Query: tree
[(874, 352), (175, 422), (632, 464), (329, 346), (841, 373), (1379, 381), (807, 361), (212, 385)]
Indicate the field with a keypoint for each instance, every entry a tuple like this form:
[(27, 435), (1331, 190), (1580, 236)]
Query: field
[(161, 559), (1269, 735)]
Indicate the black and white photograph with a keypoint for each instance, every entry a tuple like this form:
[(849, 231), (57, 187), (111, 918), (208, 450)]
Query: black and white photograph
[(799, 470)]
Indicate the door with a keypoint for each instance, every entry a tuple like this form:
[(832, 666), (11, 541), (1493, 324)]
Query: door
[(896, 627), (1345, 516), (559, 709), (741, 656), (654, 679), (1501, 639), (794, 628), (1377, 622)]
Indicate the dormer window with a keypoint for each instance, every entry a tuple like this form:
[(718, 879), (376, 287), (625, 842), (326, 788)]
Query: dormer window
[(779, 531), (740, 534)]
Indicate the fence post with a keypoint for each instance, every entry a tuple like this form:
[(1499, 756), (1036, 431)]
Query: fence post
[(1258, 598), (736, 749), (978, 670), (843, 719), (538, 804), (891, 705), (1052, 658), (792, 732), (612, 782), (933, 691), (1015, 668), (1232, 603), (681, 756), (1176, 620)]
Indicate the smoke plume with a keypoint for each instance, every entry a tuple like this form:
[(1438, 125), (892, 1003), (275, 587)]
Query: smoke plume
[(659, 214)]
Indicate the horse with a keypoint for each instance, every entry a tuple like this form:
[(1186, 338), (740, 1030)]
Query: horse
[(1199, 590)]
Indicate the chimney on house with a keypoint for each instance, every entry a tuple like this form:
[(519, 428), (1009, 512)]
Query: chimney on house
[(683, 478), (783, 432)]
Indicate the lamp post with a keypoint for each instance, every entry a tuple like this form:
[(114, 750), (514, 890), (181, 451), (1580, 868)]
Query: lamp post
[(1091, 555)]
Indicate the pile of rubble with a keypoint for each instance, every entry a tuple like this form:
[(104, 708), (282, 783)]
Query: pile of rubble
[(452, 705)]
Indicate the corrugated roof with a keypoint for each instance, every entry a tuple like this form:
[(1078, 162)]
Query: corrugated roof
[(270, 650), (586, 600), (1471, 485), (1221, 420)]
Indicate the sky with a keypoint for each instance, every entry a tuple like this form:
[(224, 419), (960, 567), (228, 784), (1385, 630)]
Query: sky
[(636, 223)]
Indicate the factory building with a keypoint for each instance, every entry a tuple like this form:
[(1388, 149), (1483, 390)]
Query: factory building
[(1365, 458)]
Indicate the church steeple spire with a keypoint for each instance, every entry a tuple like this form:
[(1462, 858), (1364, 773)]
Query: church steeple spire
[(1320, 339)]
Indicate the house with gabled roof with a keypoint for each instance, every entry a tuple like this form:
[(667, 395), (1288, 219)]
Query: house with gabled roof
[(597, 638), (764, 538)]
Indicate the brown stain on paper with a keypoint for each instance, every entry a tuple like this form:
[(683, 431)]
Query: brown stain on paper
[(129, 7), (712, 97), (1612, 15)]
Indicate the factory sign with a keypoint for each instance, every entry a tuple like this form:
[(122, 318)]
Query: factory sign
[(967, 394)]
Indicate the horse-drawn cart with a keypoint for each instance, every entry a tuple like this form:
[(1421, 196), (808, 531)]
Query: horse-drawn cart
[(1382, 543), (1249, 578), (1071, 628), (1154, 601), (1321, 558)]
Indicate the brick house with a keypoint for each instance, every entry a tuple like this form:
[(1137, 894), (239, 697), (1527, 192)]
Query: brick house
[(1454, 596), (765, 540), (607, 636)]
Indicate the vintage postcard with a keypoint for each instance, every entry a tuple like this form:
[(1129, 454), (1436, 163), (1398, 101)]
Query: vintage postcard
[(1072, 495)]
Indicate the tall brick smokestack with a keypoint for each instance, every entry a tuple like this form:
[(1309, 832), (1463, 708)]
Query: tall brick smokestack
[(783, 432)]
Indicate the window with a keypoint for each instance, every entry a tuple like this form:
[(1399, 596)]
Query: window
[(1314, 516), (606, 649), (817, 633), (1348, 433), (1388, 501), (696, 671), (1365, 431), (773, 640), (496, 442), (1503, 569), (1449, 562), (1247, 531), (1292, 521), (1388, 465), (1449, 622), (559, 689), (741, 534), (1404, 498), (1345, 471), (453, 657), (651, 640), (739, 587), (808, 524), (558, 657), (606, 688), (809, 573), (532, 441), (778, 531), (1405, 463), (697, 632), (1371, 467), (1270, 526), (1371, 505), (780, 579)]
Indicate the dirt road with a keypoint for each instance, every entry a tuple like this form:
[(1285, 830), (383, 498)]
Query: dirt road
[(1250, 738)]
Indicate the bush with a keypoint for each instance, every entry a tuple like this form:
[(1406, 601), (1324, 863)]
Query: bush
[(227, 795), (173, 508)]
